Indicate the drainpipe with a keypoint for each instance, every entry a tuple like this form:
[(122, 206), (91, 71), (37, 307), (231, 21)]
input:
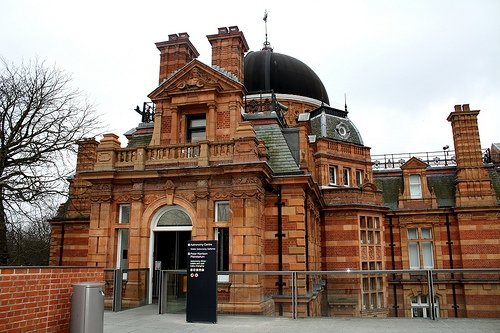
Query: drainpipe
[(306, 216), (61, 245), (393, 260), (280, 235), (450, 243)]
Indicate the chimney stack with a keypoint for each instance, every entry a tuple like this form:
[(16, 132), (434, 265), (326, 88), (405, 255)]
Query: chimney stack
[(175, 53), (473, 182), (228, 49)]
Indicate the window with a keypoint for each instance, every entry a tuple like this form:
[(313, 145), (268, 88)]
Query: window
[(420, 249), (372, 285), (420, 306), (196, 128), (122, 250), (124, 214), (370, 230), (359, 177), (222, 237), (415, 187), (346, 176), (333, 175), (222, 211)]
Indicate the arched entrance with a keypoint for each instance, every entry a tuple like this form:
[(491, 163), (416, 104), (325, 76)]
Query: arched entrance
[(170, 231)]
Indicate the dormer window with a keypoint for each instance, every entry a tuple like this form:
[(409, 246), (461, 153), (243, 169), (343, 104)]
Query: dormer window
[(415, 187), (197, 128)]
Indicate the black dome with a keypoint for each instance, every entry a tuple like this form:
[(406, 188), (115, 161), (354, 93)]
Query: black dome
[(267, 70)]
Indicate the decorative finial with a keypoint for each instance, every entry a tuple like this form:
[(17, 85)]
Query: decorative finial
[(345, 102), (267, 45)]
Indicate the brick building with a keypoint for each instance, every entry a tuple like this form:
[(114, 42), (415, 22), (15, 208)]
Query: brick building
[(248, 151)]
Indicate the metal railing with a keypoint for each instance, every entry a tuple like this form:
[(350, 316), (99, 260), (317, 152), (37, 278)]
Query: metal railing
[(433, 159), (125, 288), (473, 292)]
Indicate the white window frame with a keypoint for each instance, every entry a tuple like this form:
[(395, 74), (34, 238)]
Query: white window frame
[(332, 171), (424, 306), (416, 248), (220, 203), (121, 207), (122, 245), (359, 177), (346, 176), (415, 186), (222, 278)]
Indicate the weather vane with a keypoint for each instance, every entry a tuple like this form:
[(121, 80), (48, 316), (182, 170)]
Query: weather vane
[(267, 45)]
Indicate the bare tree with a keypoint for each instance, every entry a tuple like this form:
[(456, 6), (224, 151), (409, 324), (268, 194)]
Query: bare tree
[(41, 119)]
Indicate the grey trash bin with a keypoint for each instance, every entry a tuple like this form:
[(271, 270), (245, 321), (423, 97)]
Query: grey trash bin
[(87, 308)]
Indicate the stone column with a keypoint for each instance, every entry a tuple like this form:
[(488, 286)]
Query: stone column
[(211, 122)]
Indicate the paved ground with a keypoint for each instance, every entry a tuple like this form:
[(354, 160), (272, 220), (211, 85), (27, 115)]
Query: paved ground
[(146, 320)]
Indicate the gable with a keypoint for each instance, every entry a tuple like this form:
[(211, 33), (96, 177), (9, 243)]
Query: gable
[(414, 164), (196, 76)]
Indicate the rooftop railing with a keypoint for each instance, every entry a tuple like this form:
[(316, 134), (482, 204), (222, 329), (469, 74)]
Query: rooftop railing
[(434, 159)]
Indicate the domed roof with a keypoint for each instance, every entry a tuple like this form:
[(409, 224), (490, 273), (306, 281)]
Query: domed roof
[(267, 70)]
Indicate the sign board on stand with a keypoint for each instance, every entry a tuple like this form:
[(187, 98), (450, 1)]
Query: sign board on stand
[(202, 282)]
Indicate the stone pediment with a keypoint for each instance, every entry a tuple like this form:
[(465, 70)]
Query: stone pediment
[(414, 164), (195, 76)]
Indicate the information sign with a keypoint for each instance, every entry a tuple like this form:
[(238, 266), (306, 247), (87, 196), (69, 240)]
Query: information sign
[(202, 281)]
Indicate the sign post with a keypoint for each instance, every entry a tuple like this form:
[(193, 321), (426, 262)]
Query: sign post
[(202, 282)]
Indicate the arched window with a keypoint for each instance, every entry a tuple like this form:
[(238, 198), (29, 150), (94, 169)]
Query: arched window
[(173, 218)]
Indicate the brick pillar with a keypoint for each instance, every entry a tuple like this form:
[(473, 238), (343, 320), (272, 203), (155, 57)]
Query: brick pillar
[(228, 49), (101, 216), (473, 182), (175, 53), (87, 154)]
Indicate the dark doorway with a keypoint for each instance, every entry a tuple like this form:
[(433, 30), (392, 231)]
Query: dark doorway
[(170, 248)]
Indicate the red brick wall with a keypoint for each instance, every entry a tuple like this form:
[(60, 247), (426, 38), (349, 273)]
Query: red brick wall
[(38, 299)]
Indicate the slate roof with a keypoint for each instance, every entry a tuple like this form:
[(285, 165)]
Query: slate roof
[(444, 189), (333, 123), (281, 159), (390, 187), (139, 141), (442, 185)]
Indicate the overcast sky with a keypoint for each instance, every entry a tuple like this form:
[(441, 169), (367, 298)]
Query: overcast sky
[(403, 64)]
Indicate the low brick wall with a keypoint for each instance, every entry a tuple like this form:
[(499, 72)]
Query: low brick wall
[(38, 299)]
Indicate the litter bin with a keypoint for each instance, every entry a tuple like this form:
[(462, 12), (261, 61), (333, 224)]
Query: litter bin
[(87, 308)]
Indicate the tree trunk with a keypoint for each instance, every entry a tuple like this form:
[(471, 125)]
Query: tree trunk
[(4, 252)]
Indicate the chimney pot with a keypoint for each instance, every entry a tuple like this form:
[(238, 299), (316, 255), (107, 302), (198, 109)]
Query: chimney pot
[(183, 35), (223, 30), (172, 37), (458, 108), (466, 107)]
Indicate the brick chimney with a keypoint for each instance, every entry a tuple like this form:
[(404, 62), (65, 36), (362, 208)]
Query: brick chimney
[(87, 154), (473, 182), (228, 49), (175, 53)]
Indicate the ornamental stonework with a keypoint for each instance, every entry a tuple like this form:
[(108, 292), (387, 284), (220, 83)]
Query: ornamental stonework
[(247, 181), (189, 196), (196, 79), (150, 198)]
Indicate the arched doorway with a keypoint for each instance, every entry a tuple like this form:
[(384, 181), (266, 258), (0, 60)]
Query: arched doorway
[(170, 231)]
